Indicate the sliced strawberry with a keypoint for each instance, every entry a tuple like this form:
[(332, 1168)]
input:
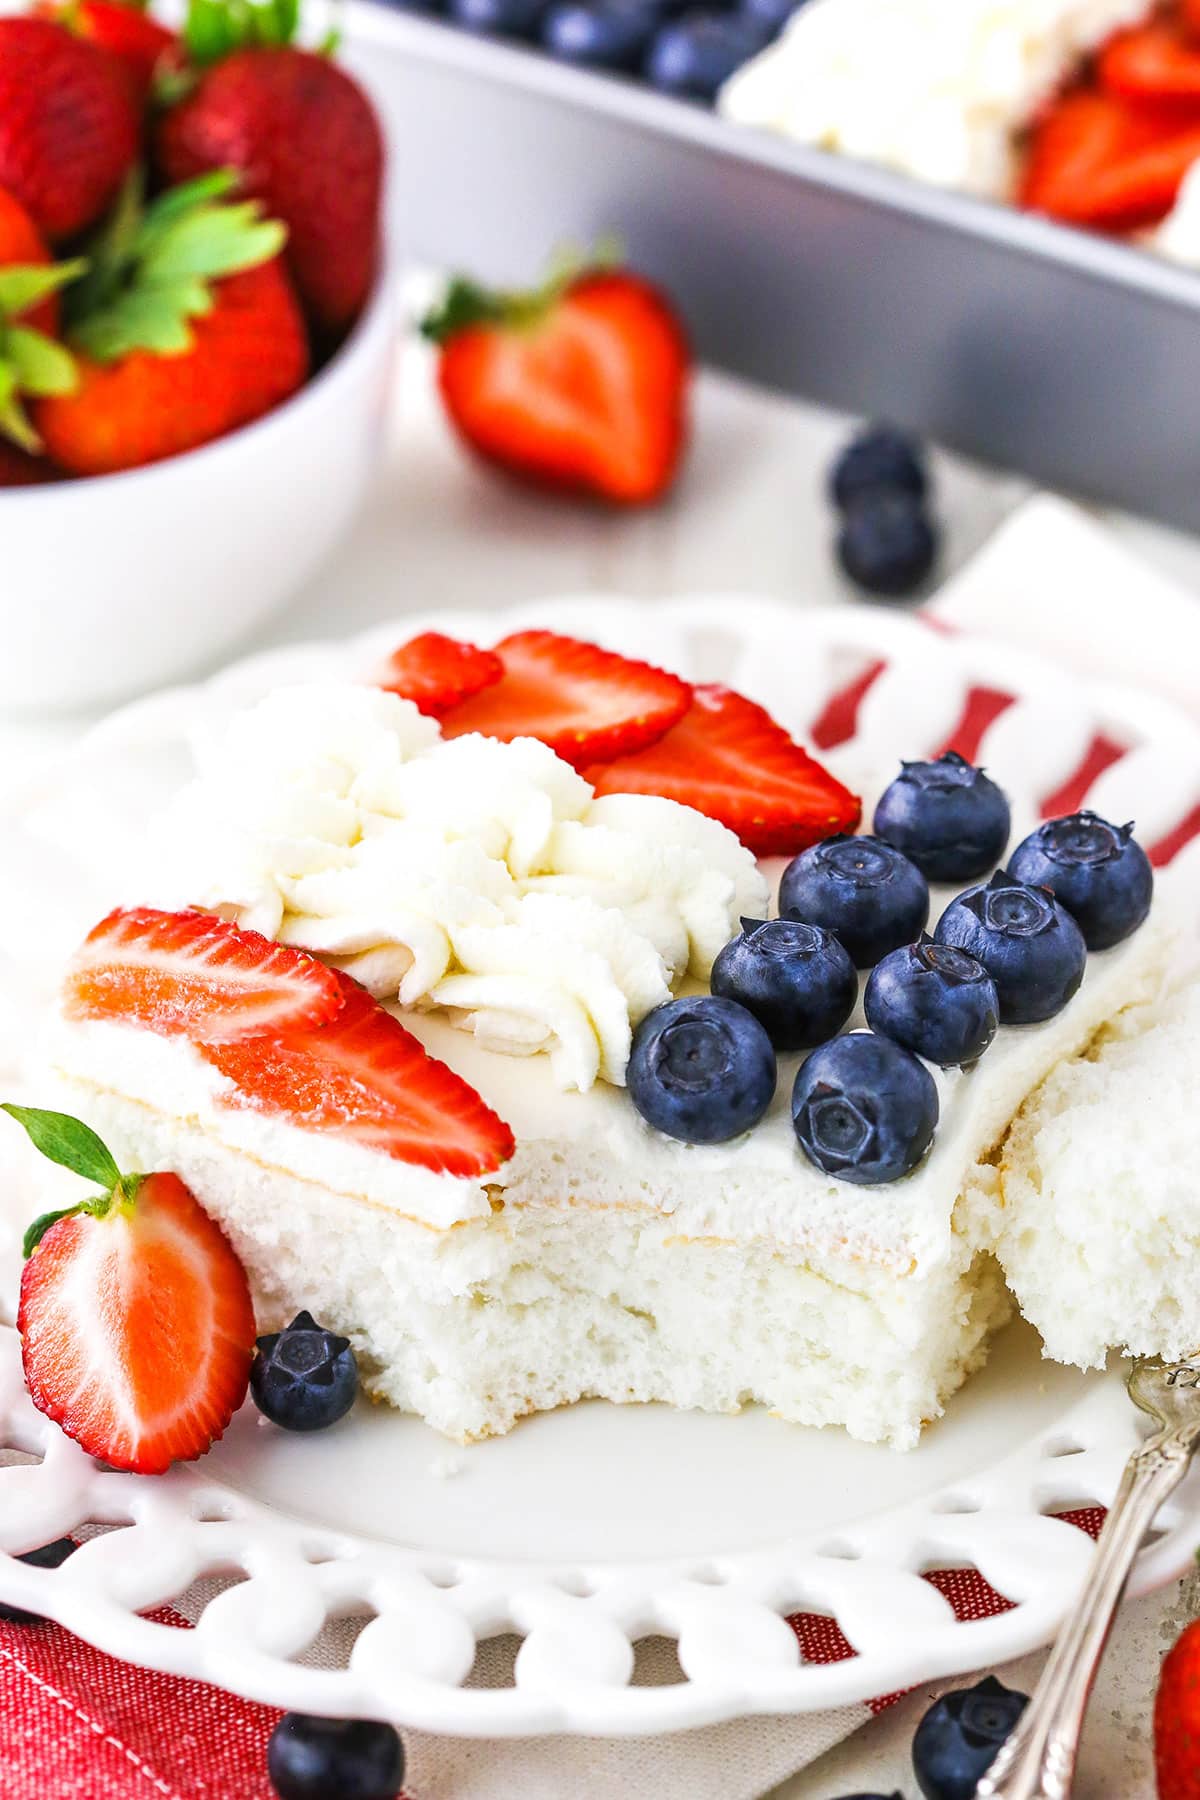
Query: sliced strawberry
[(364, 1078), (728, 758), (192, 975), (582, 385), (136, 1322), (1099, 159), (588, 704), (1158, 61), (437, 673)]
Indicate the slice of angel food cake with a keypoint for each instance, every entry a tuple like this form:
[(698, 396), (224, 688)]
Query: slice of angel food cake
[(626, 1068)]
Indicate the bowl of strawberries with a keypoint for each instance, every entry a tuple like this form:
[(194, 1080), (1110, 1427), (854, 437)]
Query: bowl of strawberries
[(196, 334)]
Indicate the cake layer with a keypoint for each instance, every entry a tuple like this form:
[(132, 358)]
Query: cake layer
[(1100, 1227), (593, 1147), (536, 1306)]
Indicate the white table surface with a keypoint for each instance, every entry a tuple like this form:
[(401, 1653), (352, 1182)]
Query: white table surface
[(749, 516)]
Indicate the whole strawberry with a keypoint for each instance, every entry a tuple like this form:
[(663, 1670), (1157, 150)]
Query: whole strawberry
[(138, 43), (185, 329), (1177, 1720), (69, 127), (304, 139), (32, 363), (582, 385)]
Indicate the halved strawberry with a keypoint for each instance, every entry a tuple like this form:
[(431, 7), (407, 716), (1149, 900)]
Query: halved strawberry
[(136, 1322), (1157, 61), (363, 1077), (728, 758), (193, 975), (582, 385), (1100, 159), (588, 704), (437, 673)]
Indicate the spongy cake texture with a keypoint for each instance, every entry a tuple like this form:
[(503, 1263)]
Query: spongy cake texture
[(1100, 1183)]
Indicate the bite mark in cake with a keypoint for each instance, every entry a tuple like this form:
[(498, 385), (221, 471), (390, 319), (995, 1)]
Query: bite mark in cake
[(837, 1267)]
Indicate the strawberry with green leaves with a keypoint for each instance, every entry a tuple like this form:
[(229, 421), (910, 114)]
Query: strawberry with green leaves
[(303, 137), (581, 385), (184, 328), (135, 1316), (33, 364)]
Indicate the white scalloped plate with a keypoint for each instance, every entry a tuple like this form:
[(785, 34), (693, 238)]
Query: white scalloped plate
[(589, 1529)]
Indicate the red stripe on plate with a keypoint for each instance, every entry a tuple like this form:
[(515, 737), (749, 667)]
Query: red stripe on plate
[(1160, 854), (982, 708), (1102, 753), (838, 721)]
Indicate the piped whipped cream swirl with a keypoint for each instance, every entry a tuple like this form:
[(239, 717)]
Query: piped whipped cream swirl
[(937, 88), (479, 877)]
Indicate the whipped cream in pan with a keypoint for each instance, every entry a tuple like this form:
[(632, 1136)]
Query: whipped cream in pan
[(479, 878), (935, 88)]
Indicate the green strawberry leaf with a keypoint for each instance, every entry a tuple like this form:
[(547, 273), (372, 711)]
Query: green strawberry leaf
[(41, 1226), (109, 252), (209, 33), (215, 184), (465, 304), (25, 285), (68, 1142), (15, 424), (154, 319), (154, 269), (40, 364), (213, 28), (212, 241)]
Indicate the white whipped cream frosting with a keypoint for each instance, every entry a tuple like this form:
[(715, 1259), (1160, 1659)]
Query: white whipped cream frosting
[(481, 878), (936, 88)]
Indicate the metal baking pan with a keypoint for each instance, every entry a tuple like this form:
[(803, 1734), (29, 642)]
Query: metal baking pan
[(1040, 348)]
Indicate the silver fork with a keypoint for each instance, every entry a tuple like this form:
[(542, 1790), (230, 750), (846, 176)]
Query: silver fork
[(1038, 1761)]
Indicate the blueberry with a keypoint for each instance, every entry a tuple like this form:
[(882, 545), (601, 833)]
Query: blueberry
[(335, 1759), (504, 18), (1029, 944), (303, 1378), (701, 1070), (605, 34), (49, 1556), (695, 55), (936, 1001), (887, 542), (947, 816), (1095, 869), (879, 457), (864, 1109), (772, 15), (865, 892), (796, 979), (957, 1741)]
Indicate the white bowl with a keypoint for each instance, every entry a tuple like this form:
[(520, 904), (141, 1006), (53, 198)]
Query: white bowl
[(114, 584)]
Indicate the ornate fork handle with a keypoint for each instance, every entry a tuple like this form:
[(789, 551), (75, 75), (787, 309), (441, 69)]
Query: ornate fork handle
[(1038, 1761)]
